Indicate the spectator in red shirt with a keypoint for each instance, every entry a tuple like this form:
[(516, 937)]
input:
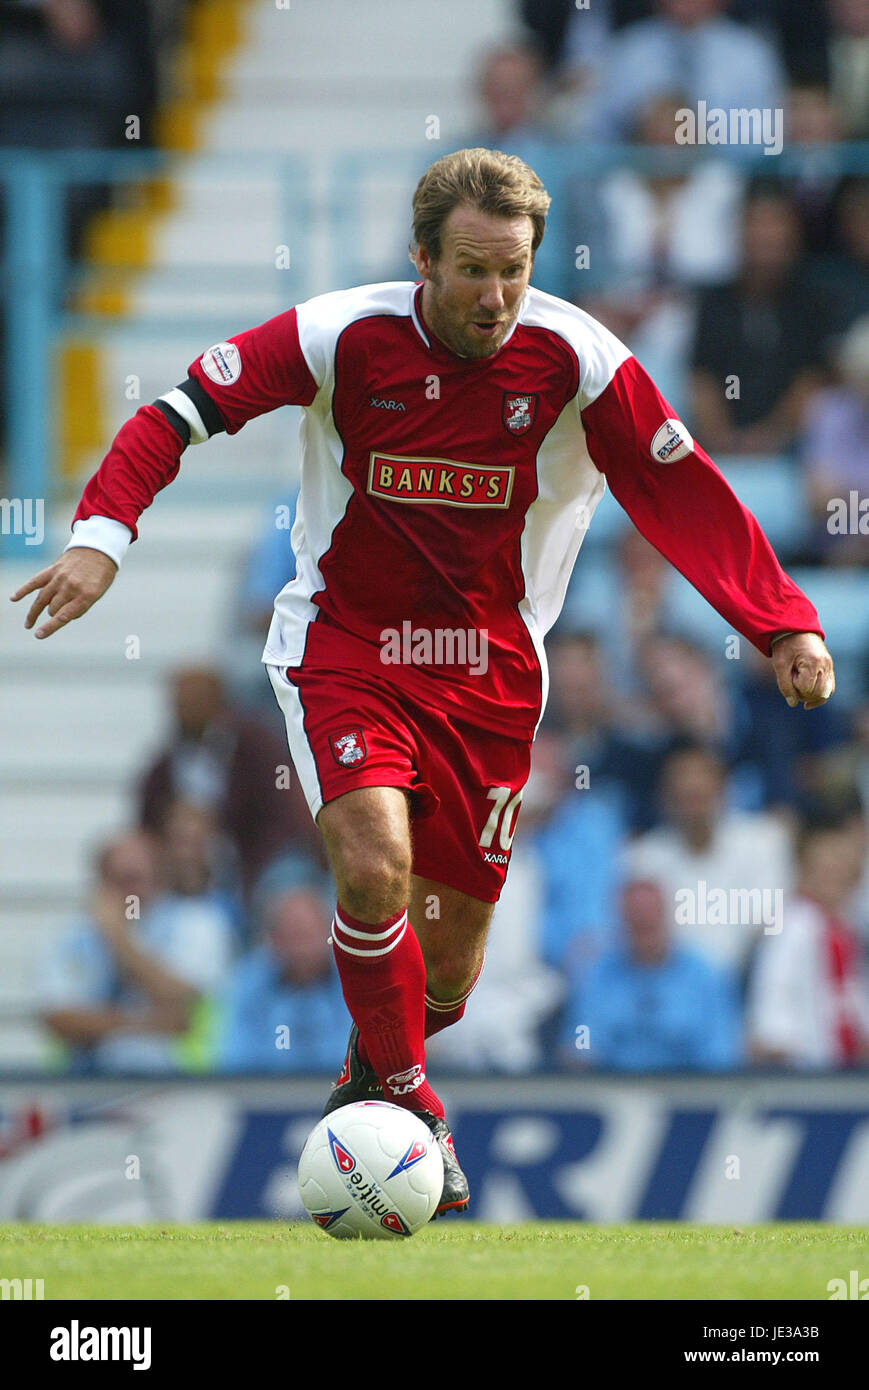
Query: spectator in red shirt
[(809, 993)]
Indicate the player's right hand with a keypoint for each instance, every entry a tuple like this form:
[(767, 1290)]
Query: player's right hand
[(68, 588), (804, 669)]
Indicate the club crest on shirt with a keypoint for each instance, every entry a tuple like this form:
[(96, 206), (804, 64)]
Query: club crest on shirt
[(348, 748), (519, 412)]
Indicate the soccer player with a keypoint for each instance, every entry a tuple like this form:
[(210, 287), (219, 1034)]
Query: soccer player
[(457, 435)]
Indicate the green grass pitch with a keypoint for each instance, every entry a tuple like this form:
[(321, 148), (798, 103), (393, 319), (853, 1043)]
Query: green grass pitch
[(452, 1259)]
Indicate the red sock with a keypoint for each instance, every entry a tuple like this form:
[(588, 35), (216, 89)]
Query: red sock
[(383, 979), (441, 1014)]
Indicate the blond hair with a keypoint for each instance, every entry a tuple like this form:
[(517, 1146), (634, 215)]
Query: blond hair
[(501, 185)]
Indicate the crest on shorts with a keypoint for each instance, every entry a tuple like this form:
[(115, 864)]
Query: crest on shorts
[(519, 412), (348, 748)]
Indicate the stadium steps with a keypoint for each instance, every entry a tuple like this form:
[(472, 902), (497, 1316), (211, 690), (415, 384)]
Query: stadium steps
[(270, 168), (277, 112), (82, 719)]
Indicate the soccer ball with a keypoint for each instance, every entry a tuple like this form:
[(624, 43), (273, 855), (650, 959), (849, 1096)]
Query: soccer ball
[(372, 1170)]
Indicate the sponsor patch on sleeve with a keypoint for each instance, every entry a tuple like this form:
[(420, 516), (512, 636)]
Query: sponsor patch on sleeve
[(671, 441), (222, 363)]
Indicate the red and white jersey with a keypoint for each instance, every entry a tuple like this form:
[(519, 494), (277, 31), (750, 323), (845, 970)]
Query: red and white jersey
[(444, 495)]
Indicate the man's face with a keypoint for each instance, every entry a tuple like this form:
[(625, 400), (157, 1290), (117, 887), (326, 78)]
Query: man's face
[(130, 868), (577, 679), (693, 789), (644, 914), (689, 12), (197, 697), (510, 89), (834, 857), (771, 241), (473, 291), (682, 683), (297, 926)]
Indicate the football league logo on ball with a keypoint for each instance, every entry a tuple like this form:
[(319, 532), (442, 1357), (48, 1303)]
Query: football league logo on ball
[(416, 1152), (344, 1159)]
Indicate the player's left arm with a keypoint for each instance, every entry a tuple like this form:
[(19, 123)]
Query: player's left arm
[(682, 504)]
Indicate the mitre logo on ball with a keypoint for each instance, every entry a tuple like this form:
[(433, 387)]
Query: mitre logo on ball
[(671, 441)]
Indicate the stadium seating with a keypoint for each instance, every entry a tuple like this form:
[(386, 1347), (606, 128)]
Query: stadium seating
[(85, 717), (772, 488)]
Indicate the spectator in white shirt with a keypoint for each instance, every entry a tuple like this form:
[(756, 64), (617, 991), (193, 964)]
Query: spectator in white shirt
[(689, 44), (725, 873), (849, 64), (666, 227)]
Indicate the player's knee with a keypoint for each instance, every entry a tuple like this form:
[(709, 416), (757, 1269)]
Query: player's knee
[(448, 978), (374, 881)]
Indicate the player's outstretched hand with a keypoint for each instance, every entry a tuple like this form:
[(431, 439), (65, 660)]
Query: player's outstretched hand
[(68, 588), (804, 669)]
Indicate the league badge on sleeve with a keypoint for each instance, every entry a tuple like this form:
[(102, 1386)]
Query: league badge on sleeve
[(222, 364), (671, 441)]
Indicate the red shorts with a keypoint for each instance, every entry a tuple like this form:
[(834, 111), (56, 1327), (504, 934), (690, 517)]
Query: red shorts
[(349, 729)]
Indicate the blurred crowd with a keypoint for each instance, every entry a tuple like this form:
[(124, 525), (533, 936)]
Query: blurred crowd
[(739, 277), (689, 885), (72, 70)]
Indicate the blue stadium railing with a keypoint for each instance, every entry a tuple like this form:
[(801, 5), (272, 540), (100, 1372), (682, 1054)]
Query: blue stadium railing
[(36, 273)]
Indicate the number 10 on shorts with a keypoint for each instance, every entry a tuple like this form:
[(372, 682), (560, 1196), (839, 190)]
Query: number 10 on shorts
[(504, 810)]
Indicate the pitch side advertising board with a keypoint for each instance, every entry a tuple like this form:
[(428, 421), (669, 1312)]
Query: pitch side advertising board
[(739, 1149)]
